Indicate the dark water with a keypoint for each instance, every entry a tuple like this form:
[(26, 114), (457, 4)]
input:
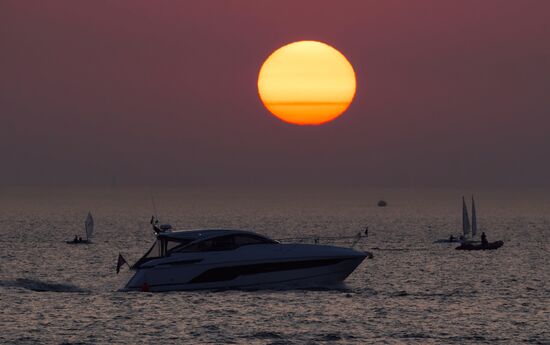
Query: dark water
[(412, 291)]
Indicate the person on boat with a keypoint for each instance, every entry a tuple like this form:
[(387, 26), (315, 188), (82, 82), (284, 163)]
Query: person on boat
[(484, 241), (451, 238), (75, 239), (79, 239)]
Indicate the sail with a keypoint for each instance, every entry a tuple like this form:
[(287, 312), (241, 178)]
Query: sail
[(465, 219), (89, 225), (474, 218)]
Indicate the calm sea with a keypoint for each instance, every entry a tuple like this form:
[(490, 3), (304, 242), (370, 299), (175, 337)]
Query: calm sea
[(413, 291)]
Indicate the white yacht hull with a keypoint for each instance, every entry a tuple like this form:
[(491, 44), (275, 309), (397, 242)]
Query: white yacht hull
[(249, 267)]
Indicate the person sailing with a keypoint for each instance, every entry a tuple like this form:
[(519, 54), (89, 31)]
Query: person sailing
[(75, 240), (484, 241)]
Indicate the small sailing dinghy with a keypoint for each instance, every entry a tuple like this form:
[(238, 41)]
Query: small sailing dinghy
[(465, 226), (89, 229), (471, 244), (469, 230)]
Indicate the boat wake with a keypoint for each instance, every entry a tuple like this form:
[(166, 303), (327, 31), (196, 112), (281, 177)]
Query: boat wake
[(336, 287), (401, 249), (40, 286), (422, 295)]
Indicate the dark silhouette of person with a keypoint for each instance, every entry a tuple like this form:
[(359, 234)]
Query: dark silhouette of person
[(484, 239), (75, 239), (79, 239), (366, 231), (451, 238)]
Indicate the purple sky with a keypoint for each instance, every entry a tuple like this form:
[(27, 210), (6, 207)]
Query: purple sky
[(450, 93)]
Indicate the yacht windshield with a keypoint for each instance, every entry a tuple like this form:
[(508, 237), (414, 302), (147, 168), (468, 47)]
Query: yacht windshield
[(229, 242), (162, 247), (152, 253), (166, 246), (173, 245)]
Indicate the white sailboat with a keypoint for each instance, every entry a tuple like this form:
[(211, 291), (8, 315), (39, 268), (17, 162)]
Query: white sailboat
[(467, 241), (470, 243), (465, 220), (467, 227), (88, 228)]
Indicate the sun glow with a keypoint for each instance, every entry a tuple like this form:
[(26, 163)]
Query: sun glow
[(306, 83)]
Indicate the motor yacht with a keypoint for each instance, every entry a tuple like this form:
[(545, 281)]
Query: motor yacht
[(237, 259)]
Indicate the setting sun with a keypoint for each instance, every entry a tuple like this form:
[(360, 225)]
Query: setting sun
[(306, 83)]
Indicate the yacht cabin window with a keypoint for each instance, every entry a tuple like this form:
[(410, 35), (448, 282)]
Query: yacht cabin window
[(172, 245), (166, 246), (222, 243)]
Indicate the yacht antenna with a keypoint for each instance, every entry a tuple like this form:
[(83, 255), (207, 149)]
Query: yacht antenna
[(153, 202), (155, 217)]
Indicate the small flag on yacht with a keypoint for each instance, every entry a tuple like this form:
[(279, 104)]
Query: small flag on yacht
[(121, 261)]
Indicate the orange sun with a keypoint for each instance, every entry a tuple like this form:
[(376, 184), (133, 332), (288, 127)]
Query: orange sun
[(306, 83)]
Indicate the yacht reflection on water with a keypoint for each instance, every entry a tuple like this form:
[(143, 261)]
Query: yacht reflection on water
[(237, 259)]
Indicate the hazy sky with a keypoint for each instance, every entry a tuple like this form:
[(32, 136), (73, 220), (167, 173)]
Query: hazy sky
[(450, 93)]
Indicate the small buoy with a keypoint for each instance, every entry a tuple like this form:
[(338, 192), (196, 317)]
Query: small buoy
[(145, 287)]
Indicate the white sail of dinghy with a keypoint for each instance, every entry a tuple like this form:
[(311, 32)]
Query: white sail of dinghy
[(474, 218), (465, 220), (89, 226)]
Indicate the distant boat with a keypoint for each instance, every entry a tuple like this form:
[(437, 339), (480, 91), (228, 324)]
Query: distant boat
[(89, 230), (488, 246), (467, 227), (382, 203), (469, 243)]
